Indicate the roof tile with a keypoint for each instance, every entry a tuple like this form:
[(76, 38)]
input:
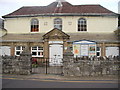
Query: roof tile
[(66, 8)]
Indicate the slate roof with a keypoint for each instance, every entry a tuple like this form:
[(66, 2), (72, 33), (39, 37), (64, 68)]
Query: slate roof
[(22, 38), (66, 9), (37, 37), (97, 37)]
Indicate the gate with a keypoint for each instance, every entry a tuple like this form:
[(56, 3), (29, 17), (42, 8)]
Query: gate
[(44, 66)]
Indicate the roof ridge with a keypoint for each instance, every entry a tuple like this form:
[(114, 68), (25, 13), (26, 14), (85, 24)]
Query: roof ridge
[(87, 5), (60, 1)]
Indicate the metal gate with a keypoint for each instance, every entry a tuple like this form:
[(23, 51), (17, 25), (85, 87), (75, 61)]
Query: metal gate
[(43, 66)]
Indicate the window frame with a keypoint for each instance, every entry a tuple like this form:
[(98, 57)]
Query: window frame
[(98, 51), (58, 23), (37, 51), (19, 50), (34, 25), (82, 25)]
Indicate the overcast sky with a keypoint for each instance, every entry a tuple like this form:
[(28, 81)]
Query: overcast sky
[(8, 6)]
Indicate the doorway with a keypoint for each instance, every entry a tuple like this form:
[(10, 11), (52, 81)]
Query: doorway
[(55, 54)]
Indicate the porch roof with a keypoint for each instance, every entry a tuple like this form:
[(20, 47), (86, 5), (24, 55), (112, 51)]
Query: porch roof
[(36, 37), (97, 37)]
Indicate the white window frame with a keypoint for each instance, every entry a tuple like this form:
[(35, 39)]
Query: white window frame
[(20, 50), (58, 23), (34, 25), (37, 51), (82, 25), (98, 51)]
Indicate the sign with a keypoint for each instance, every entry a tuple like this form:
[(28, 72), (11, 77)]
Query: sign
[(76, 49), (92, 49), (84, 50)]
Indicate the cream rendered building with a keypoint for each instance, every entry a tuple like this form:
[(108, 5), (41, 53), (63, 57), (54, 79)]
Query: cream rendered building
[(94, 24), (87, 30)]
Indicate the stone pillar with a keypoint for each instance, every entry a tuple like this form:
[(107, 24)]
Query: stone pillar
[(12, 50), (103, 50), (68, 55), (67, 60), (46, 49), (24, 62), (64, 46)]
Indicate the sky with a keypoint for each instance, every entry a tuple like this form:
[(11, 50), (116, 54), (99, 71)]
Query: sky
[(8, 6)]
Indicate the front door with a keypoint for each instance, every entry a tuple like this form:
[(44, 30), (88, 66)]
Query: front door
[(55, 54)]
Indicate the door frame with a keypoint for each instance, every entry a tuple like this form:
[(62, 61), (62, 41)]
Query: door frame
[(56, 44)]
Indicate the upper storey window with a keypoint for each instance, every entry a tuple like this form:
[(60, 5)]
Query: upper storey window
[(34, 25), (58, 23), (82, 24)]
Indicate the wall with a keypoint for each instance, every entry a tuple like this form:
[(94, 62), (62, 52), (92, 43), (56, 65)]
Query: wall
[(93, 66), (2, 32), (17, 65), (94, 24)]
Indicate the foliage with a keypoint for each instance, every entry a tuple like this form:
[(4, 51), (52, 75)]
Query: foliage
[(119, 20), (117, 32), (34, 65)]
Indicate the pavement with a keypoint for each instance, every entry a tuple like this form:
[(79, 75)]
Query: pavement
[(59, 78)]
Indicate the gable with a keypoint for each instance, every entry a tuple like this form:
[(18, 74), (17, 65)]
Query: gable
[(56, 33)]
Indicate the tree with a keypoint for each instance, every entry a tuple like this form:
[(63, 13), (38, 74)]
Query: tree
[(117, 32), (119, 20)]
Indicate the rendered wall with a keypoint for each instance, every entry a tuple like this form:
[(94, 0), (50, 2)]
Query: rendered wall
[(94, 24)]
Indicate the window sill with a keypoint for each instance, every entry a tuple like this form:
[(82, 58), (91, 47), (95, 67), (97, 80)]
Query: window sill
[(37, 56)]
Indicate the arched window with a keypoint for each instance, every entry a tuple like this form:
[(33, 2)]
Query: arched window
[(34, 25), (58, 23), (82, 24)]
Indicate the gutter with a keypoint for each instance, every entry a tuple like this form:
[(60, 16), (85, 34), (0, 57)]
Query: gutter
[(20, 41), (63, 14)]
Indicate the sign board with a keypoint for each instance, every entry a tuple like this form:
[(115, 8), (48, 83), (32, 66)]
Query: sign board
[(58, 42), (84, 50), (76, 50), (92, 49)]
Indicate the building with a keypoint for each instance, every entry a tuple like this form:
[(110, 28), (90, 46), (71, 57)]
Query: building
[(48, 31), (2, 30)]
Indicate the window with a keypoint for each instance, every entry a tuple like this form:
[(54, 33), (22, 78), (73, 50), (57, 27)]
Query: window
[(82, 24), (98, 52), (37, 51), (34, 25), (58, 23), (18, 50)]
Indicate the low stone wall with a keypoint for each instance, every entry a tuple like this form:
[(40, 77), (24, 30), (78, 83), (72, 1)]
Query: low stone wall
[(12, 65), (17, 65), (93, 66), (90, 68)]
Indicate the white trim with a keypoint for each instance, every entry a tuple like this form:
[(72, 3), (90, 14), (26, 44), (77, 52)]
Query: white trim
[(37, 51), (98, 51), (18, 50), (59, 42)]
